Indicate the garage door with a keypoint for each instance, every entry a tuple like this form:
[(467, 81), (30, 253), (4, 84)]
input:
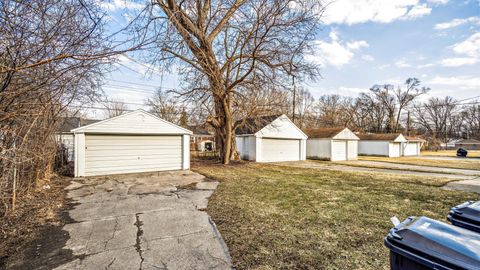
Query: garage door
[(114, 154), (339, 150), (352, 150), (395, 149), (280, 150)]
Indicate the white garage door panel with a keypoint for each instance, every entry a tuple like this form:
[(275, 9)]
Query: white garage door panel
[(107, 154), (339, 150), (352, 150), (280, 150)]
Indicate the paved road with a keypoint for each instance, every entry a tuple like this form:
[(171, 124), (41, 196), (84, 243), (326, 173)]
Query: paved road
[(414, 167), (338, 167), (142, 222)]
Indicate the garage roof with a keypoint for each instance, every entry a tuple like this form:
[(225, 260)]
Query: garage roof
[(391, 137), (331, 133), (136, 122), (468, 141), (271, 126), (254, 124)]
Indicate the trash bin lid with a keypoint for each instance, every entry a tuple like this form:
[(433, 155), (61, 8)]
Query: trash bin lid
[(438, 241), (467, 211)]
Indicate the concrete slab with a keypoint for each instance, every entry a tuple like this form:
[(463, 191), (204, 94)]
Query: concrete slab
[(142, 222)]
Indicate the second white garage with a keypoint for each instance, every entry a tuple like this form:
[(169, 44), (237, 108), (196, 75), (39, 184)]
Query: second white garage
[(131, 143), (270, 139), (335, 144)]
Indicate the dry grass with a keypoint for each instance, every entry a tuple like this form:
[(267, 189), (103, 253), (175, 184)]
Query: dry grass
[(450, 153), (278, 217), (468, 164)]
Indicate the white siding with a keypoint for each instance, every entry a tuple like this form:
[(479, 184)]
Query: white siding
[(373, 148), (137, 122), (319, 148), (411, 149), (346, 134), (352, 149), (394, 149), (281, 127), (279, 150), (339, 150), (115, 154)]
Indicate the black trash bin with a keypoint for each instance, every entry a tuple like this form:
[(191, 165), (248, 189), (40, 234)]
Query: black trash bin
[(423, 243), (461, 152), (466, 215)]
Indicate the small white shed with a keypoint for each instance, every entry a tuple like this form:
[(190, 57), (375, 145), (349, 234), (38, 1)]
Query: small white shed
[(388, 145), (131, 143), (335, 144), (270, 139), (413, 146)]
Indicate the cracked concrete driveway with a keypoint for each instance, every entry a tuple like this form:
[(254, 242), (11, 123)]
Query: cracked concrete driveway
[(143, 222)]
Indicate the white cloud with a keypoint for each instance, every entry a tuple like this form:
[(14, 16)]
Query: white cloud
[(115, 5), (136, 66), (459, 82), (335, 53), (458, 61), (438, 2), (382, 11), (470, 46), (368, 57), (418, 11), (468, 51), (402, 64), (457, 22)]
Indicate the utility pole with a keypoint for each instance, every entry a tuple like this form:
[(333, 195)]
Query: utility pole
[(294, 98), (408, 123)]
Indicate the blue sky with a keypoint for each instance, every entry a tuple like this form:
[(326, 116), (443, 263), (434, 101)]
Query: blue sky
[(362, 43)]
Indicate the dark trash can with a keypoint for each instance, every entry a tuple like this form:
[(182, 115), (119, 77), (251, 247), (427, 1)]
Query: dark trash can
[(461, 152), (423, 243), (466, 215)]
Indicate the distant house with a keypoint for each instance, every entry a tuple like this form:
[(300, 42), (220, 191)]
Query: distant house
[(270, 138), (388, 145), (64, 135), (203, 139), (333, 144), (469, 144)]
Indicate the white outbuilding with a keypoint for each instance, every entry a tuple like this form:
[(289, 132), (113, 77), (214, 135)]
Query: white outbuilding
[(270, 139), (412, 147), (134, 142), (388, 145), (335, 144)]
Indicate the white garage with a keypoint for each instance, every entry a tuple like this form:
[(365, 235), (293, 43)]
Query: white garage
[(335, 144), (374, 144), (270, 139), (131, 143)]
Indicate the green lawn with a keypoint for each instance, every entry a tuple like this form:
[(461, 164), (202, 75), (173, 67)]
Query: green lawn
[(469, 164), (278, 217)]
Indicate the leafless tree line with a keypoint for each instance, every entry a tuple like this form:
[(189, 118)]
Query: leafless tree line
[(49, 57)]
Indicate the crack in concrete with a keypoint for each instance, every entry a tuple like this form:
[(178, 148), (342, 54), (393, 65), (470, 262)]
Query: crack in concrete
[(113, 233), (110, 264), (138, 246)]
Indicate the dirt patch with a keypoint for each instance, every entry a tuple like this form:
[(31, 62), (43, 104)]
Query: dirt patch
[(35, 227)]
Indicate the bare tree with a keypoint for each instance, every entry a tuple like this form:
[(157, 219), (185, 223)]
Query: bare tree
[(436, 117), (164, 105), (227, 48), (39, 78), (114, 108)]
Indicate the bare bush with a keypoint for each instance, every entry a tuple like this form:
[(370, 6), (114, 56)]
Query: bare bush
[(49, 57)]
